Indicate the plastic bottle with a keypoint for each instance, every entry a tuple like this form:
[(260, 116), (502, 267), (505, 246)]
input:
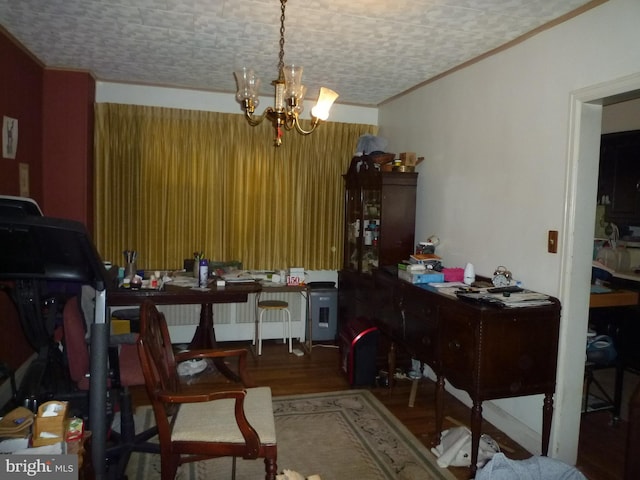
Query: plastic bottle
[(203, 276), (469, 274)]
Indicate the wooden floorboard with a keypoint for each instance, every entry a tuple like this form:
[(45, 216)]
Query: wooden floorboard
[(601, 444)]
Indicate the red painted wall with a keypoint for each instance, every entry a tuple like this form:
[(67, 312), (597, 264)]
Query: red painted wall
[(21, 98), (67, 136), (54, 110)]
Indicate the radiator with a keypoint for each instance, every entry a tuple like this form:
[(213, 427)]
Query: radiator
[(235, 321)]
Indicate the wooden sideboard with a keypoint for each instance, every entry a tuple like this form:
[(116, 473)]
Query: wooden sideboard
[(487, 351)]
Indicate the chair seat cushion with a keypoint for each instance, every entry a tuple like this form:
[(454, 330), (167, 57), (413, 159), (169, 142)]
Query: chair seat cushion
[(216, 422)]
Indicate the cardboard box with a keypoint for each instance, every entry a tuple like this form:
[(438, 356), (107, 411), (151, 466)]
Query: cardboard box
[(120, 327), (296, 276), (429, 277), (453, 274), (408, 158), (51, 419)]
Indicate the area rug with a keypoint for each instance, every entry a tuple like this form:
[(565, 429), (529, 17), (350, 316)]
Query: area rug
[(345, 435)]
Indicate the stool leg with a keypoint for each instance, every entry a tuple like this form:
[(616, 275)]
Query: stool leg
[(255, 328), (284, 325), (288, 315), (260, 333)]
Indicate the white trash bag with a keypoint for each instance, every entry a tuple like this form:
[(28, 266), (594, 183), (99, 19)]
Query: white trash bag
[(455, 448)]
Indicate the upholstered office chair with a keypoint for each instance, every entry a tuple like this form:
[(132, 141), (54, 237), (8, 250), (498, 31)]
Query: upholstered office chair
[(231, 422), (125, 362)]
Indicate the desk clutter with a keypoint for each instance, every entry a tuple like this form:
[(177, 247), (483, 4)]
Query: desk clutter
[(424, 268), (21, 429), (200, 273), (294, 276)]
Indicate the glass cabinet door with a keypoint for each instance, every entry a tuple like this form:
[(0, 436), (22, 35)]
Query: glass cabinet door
[(379, 219), (363, 210), (370, 229), (353, 232)]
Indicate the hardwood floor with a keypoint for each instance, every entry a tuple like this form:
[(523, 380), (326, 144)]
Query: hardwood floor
[(601, 453)]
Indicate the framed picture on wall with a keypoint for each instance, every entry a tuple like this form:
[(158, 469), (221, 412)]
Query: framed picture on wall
[(9, 137)]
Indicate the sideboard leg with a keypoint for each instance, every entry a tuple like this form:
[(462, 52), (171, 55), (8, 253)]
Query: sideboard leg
[(476, 427), (439, 401), (547, 415), (391, 360)]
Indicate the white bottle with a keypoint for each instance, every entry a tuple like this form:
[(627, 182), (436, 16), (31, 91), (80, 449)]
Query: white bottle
[(469, 274), (204, 274)]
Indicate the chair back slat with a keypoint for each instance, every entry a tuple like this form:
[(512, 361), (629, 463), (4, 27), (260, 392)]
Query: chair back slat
[(158, 363)]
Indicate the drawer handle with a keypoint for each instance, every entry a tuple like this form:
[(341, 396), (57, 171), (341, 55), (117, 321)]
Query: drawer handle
[(454, 345)]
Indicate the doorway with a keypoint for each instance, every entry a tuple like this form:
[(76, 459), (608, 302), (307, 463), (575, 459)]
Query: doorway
[(577, 247)]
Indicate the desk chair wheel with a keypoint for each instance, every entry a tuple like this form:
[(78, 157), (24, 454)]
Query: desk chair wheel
[(274, 305)]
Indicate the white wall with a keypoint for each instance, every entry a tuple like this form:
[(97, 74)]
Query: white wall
[(108, 92), (498, 139), (621, 117)]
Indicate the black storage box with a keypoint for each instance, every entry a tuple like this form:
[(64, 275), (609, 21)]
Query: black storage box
[(358, 341)]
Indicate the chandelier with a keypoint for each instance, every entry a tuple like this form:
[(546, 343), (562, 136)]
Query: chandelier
[(289, 94)]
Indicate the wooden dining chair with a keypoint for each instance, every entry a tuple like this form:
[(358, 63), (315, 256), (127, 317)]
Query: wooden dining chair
[(234, 421)]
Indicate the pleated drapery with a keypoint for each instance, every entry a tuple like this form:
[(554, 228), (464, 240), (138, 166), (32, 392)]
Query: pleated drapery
[(169, 182)]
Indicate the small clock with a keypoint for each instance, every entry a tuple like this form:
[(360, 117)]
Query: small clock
[(501, 277)]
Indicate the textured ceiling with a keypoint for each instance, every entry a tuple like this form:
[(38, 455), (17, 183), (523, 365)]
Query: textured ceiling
[(366, 50)]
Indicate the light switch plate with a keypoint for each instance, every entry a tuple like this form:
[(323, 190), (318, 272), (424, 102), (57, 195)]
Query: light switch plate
[(552, 241)]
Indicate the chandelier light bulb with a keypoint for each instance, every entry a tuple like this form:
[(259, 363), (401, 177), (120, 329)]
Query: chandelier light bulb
[(325, 101)]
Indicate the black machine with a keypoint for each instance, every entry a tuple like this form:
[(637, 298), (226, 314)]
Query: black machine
[(18, 207), (46, 257)]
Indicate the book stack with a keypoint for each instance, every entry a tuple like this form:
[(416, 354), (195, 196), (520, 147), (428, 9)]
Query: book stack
[(420, 269)]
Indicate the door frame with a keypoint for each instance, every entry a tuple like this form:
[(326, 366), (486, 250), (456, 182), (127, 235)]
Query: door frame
[(583, 151)]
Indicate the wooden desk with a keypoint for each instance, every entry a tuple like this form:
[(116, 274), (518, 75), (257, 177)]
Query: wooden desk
[(204, 336), (487, 351), (614, 298)]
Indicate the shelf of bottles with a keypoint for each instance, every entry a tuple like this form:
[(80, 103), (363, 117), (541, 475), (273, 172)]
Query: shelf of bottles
[(364, 213)]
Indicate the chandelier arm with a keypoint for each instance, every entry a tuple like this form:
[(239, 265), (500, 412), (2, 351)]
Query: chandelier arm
[(257, 120), (314, 123), (289, 122)]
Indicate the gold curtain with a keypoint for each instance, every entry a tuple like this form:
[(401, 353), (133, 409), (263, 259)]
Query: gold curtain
[(170, 182)]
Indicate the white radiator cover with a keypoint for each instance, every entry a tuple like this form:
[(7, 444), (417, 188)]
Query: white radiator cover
[(236, 321)]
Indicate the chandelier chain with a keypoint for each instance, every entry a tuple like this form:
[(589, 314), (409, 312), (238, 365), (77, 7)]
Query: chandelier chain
[(281, 62)]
